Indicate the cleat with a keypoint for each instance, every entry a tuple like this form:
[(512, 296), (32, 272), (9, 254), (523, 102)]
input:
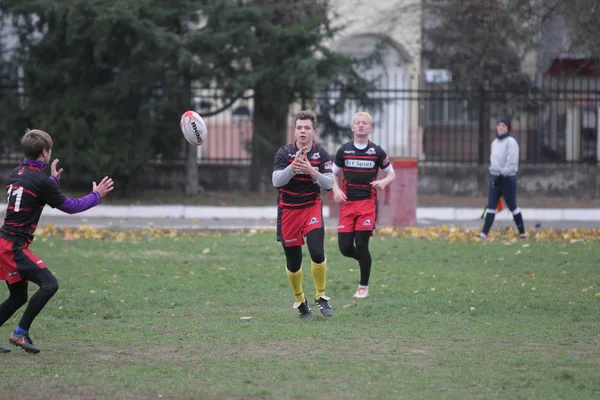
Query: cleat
[(4, 349), (304, 310), (361, 293), (522, 236), (324, 306), (24, 342)]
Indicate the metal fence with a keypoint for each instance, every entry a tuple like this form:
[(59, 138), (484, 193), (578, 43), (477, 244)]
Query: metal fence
[(558, 123)]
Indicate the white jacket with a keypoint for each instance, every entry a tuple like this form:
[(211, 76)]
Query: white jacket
[(504, 158)]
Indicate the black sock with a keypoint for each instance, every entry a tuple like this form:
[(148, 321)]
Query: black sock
[(489, 220)]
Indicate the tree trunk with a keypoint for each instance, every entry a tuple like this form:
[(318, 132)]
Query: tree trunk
[(269, 127), (192, 186)]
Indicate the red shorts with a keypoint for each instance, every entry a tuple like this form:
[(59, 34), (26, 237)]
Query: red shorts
[(357, 215), (15, 259), (294, 223)]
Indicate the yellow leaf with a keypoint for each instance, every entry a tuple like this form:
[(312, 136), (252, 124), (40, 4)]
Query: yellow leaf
[(206, 251)]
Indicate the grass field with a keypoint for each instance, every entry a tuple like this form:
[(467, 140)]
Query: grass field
[(177, 315)]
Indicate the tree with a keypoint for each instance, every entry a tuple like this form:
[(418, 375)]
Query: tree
[(485, 43), (105, 78), (277, 50), (583, 28), (109, 80)]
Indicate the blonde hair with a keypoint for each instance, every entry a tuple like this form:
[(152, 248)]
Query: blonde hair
[(363, 114), (34, 142)]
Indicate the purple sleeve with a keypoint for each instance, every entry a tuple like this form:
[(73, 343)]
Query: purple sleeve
[(73, 206), (54, 179)]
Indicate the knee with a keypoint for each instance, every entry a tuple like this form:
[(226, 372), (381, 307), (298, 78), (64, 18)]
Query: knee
[(362, 249), (50, 286), (347, 249), (362, 245), (318, 257)]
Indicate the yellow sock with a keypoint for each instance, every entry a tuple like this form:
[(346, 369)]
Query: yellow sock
[(295, 279), (319, 275)]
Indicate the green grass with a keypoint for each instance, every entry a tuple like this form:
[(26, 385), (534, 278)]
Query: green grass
[(161, 318)]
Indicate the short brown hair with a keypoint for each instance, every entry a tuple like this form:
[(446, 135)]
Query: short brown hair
[(304, 115), (34, 142)]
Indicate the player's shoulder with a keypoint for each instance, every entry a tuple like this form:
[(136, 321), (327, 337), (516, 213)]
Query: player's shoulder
[(374, 149), (23, 172), (32, 179), (346, 147), (320, 149), (375, 146), (286, 149), (512, 139)]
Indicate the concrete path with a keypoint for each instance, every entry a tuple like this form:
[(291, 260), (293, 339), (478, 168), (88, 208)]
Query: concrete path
[(214, 217)]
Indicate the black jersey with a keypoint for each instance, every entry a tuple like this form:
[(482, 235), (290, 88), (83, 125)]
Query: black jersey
[(29, 189), (301, 190), (360, 169)]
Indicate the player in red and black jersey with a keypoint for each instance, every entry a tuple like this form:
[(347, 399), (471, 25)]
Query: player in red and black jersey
[(301, 169), (29, 190), (360, 161)]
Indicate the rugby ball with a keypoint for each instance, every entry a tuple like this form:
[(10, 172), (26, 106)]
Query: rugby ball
[(193, 128)]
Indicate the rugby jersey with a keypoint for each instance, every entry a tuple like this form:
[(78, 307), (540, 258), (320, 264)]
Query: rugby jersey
[(360, 168), (301, 191)]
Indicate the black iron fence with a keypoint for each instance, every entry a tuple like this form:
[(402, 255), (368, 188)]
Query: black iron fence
[(558, 123)]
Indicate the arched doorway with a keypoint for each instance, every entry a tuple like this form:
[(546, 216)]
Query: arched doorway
[(392, 120)]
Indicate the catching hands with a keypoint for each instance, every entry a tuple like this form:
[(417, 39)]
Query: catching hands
[(301, 165), (104, 187), (53, 172)]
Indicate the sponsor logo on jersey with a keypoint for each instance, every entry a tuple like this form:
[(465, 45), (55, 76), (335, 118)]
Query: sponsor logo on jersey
[(371, 150), (349, 152), (313, 220), (364, 164), (386, 161), (328, 165), (367, 222), (316, 156)]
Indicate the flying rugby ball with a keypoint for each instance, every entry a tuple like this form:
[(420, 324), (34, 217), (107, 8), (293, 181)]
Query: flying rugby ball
[(193, 128)]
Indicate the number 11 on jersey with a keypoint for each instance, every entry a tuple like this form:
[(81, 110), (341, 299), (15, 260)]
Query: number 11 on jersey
[(18, 193)]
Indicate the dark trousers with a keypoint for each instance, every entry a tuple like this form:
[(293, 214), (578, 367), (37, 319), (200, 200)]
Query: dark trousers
[(507, 190)]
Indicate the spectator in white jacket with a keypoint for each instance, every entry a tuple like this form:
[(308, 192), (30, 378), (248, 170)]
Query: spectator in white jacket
[(504, 165)]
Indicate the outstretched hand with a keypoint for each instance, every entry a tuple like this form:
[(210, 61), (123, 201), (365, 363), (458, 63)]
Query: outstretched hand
[(53, 172), (105, 186)]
